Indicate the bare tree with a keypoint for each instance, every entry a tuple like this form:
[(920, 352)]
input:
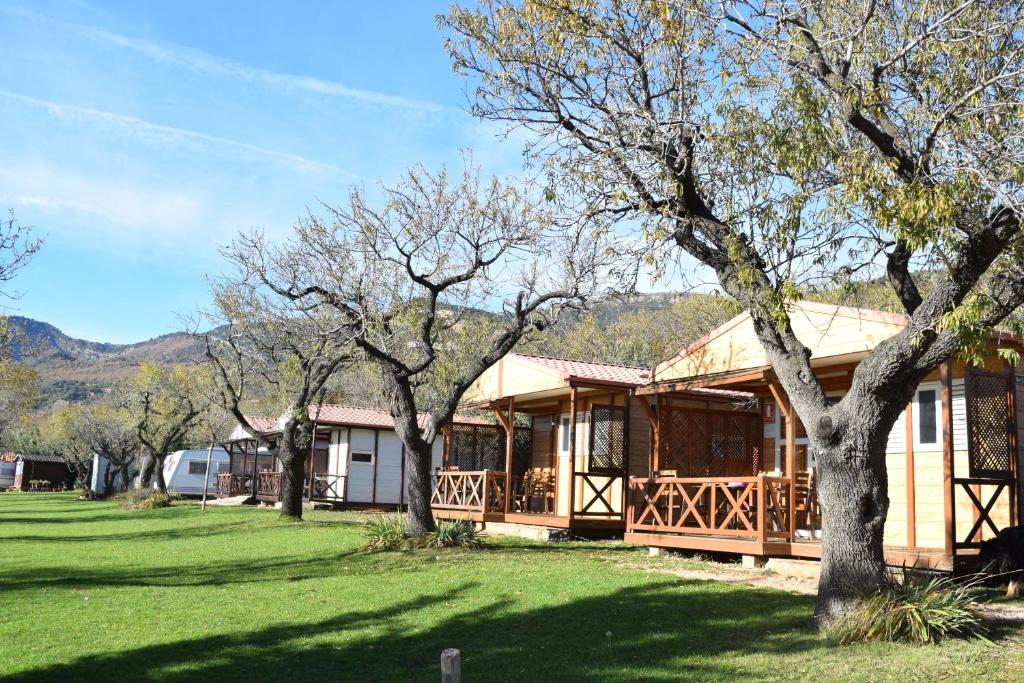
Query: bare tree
[(781, 143), (163, 404), (439, 283), (105, 431), (270, 342)]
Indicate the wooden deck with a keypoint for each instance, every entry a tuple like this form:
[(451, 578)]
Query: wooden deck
[(482, 497), (322, 489)]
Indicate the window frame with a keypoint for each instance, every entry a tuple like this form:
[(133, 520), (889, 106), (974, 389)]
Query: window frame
[(919, 445), (353, 453), (196, 463)]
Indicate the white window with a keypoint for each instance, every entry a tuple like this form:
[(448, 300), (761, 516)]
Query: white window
[(926, 418), (362, 457), (196, 467), (565, 434)]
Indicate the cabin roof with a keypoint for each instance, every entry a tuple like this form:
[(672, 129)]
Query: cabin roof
[(359, 416), (838, 333), (586, 371), (262, 423), (39, 457)]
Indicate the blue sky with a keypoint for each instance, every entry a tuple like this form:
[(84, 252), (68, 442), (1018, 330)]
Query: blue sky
[(139, 136)]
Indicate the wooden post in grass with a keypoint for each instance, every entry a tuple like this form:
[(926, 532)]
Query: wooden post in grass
[(451, 667), (206, 479)]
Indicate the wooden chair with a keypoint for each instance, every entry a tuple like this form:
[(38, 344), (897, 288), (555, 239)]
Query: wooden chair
[(805, 505)]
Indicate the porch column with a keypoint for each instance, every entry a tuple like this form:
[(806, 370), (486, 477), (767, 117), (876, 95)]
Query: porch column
[(791, 465), (946, 396), (312, 450), (656, 440), (572, 451), (510, 428)]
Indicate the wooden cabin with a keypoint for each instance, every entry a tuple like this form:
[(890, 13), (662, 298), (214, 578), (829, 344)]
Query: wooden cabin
[(35, 472), (357, 460), (570, 435), (743, 480)]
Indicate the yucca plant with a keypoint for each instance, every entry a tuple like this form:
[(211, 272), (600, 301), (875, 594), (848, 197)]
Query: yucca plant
[(460, 533), (916, 611), (387, 532)]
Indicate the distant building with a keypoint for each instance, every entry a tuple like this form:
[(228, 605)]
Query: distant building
[(50, 472)]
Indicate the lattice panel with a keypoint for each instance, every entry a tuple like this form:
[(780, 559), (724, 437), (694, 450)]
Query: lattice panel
[(700, 443), (673, 435), (989, 423), (608, 438), (477, 447)]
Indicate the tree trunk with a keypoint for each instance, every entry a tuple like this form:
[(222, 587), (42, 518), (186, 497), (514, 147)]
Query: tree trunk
[(146, 470), (854, 499), (161, 484), (108, 479), (123, 473), (296, 440), (292, 484), (420, 519)]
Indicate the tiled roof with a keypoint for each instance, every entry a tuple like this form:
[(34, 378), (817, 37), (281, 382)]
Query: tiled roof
[(373, 418), (39, 457), (597, 372), (262, 423)]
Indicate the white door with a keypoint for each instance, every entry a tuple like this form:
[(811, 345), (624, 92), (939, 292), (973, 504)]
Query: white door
[(361, 461), (389, 469)]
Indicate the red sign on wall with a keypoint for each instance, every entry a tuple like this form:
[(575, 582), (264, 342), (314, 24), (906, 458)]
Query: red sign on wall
[(768, 412)]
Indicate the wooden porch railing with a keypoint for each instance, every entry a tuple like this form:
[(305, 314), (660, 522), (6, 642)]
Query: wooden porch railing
[(233, 484), (756, 508), (482, 491), (329, 486), (600, 495), (268, 485), (984, 494)]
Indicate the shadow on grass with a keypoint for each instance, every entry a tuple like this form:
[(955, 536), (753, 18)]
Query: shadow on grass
[(154, 534), (668, 630)]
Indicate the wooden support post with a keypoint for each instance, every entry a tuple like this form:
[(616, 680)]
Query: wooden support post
[(656, 448), (911, 493), (762, 507), (206, 479), (791, 466), (312, 452), (510, 429), (626, 434), (376, 462), (451, 666), (948, 491), (572, 450)]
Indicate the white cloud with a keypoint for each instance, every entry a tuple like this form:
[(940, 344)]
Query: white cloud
[(122, 211), (129, 125), (197, 61)]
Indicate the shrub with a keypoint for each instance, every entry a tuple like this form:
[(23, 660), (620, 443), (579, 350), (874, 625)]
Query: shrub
[(387, 532), (144, 499), (461, 533), (916, 611)]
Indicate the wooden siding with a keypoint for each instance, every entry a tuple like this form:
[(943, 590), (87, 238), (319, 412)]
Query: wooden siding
[(735, 346), (512, 377)]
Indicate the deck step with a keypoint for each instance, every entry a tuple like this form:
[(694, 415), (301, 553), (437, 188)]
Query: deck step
[(228, 502), (536, 533)]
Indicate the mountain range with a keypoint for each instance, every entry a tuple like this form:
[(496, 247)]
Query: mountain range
[(78, 370)]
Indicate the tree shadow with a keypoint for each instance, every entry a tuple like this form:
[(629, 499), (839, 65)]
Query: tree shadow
[(657, 632), (155, 534)]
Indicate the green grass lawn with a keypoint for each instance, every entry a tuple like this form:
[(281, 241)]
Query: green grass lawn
[(91, 592)]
